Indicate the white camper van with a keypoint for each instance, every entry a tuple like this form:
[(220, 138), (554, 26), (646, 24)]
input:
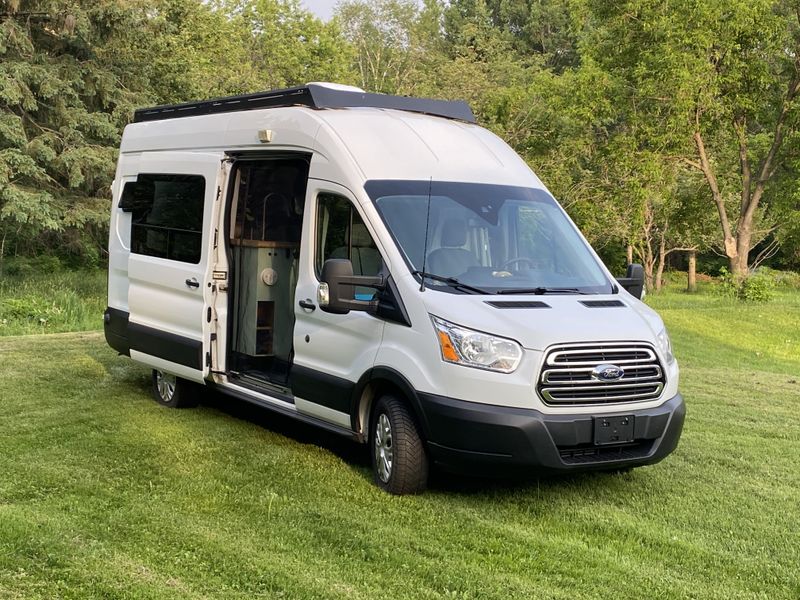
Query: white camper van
[(384, 268)]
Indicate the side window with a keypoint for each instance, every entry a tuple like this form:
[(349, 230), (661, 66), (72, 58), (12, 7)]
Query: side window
[(166, 215), (341, 233), (270, 200)]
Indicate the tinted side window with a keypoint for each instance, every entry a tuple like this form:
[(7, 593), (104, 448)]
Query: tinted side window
[(166, 215), (271, 198), (341, 233)]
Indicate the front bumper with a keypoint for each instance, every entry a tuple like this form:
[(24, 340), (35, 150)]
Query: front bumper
[(466, 436)]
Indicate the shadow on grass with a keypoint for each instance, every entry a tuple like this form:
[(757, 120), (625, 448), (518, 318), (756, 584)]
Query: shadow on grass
[(539, 483), (303, 433), (356, 455)]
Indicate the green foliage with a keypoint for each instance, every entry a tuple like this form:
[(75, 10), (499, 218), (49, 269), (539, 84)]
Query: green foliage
[(756, 288), (602, 98), (25, 267), (711, 86), (788, 280), (38, 296), (62, 105), (728, 285), (72, 74)]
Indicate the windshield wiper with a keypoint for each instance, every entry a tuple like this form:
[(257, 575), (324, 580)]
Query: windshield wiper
[(540, 291), (451, 281)]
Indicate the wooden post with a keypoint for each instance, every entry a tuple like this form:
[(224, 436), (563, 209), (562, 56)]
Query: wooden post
[(629, 253), (692, 287)]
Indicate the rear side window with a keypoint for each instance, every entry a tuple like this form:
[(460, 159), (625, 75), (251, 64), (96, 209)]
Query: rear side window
[(166, 215)]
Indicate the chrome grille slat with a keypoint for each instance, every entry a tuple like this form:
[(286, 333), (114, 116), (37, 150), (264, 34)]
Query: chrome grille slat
[(566, 377), (593, 356), (583, 377)]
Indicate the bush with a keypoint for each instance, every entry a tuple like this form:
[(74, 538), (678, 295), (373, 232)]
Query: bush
[(782, 279), (758, 287), (27, 267), (727, 285)]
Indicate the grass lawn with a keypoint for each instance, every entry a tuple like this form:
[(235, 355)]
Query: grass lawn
[(104, 494), (52, 302)]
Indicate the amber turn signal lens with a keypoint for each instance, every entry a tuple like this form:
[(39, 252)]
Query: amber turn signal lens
[(448, 350)]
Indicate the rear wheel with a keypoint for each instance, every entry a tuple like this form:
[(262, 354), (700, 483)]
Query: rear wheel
[(399, 462), (173, 391)]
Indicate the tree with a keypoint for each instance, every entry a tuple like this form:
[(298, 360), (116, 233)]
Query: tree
[(382, 33), (280, 44), (718, 82), (62, 105), (72, 74)]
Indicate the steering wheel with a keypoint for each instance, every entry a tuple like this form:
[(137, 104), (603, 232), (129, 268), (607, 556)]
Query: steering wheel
[(519, 259)]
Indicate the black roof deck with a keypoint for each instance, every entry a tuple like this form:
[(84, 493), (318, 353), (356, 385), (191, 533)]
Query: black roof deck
[(311, 95)]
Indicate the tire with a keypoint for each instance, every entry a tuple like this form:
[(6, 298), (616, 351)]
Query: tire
[(399, 461), (172, 391)]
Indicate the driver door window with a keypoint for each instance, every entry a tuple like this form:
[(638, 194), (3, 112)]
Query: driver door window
[(341, 233)]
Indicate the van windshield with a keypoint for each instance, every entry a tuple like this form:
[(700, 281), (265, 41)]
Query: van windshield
[(487, 238)]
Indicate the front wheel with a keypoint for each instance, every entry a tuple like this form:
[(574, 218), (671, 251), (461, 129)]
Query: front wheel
[(172, 391), (399, 462)]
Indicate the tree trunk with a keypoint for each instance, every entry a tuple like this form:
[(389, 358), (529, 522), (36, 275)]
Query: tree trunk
[(646, 252), (728, 239), (692, 285), (739, 263), (662, 258), (629, 253), (649, 264)]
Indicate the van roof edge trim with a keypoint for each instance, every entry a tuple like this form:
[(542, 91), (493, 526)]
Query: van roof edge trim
[(313, 96)]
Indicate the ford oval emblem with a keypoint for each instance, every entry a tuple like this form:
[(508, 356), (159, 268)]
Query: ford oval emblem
[(607, 372)]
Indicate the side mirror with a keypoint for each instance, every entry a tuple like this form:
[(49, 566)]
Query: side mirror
[(633, 280), (336, 293)]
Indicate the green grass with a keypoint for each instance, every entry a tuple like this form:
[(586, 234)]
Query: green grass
[(52, 302), (104, 494)]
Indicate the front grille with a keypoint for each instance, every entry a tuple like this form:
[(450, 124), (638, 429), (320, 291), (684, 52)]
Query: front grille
[(594, 454), (566, 376)]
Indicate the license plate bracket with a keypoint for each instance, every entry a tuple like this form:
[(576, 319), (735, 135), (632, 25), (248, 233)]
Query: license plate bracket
[(613, 430)]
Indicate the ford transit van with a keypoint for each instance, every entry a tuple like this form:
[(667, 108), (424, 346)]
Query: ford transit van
[(384, 268)]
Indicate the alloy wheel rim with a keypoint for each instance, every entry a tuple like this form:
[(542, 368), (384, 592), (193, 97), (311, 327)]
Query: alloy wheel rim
[(383, 447), (165, 383)]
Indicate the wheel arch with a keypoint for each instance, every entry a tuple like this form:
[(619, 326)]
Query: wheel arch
[(375, 383)]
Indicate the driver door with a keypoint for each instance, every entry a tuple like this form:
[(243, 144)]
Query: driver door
[(333, 351)]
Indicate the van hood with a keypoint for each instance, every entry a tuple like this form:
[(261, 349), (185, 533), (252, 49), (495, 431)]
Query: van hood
[(537, 322)]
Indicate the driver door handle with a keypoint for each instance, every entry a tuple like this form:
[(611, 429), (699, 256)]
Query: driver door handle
[(307, 304), (193, 283)]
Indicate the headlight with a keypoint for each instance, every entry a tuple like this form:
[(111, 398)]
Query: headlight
[(476, 349), (665, 345)]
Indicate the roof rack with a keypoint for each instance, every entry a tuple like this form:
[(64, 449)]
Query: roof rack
[(312, 95)]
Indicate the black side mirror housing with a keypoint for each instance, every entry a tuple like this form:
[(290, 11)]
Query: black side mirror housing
[(633, 281), (337, 288)]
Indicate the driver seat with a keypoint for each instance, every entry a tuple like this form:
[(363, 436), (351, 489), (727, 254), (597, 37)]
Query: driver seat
[(452, 259)]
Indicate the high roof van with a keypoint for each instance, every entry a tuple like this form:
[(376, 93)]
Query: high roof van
[(384, 268)]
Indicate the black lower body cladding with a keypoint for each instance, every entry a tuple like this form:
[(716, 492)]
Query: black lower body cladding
[(115, 325), (123, 336), (482, 438)]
